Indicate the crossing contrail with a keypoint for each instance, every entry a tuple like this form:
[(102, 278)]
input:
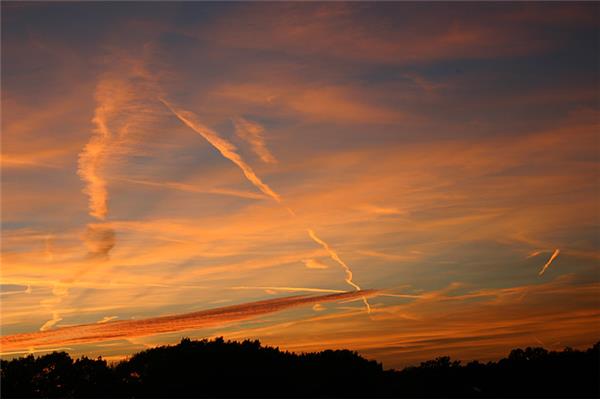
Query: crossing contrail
[(228, 150), (334, 256)]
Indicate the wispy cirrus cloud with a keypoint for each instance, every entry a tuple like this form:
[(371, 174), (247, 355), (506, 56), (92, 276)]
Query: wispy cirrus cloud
[(184, 187), (329, 103), (253, 133), (313, 263), (345, 32), (124, 107), (99, 239)]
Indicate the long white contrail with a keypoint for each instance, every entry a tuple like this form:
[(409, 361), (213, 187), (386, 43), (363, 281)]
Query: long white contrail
[(228, 150), (552, 257)]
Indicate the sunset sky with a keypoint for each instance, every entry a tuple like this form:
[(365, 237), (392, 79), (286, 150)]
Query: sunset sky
[(241, 169)]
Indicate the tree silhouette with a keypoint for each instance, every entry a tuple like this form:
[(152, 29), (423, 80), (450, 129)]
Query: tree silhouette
[(219, 368)]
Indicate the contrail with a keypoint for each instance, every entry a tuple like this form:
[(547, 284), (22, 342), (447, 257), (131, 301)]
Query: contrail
[(110, 96), (228, 150), (121, 109), (534, 253), (56, 318), (25, 291), (552, 257), (193, 189), (289, 289), (333, 254), (335, 257), (91, 161), (110, 330), (252, 132), (31, 351), (107, 319)]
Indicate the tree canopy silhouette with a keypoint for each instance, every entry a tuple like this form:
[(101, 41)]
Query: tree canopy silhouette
[(219, 368)]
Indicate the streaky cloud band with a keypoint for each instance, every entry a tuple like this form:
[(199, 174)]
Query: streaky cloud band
[(111, 330)]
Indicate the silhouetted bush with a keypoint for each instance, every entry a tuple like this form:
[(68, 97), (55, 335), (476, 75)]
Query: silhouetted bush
[(246, 369)]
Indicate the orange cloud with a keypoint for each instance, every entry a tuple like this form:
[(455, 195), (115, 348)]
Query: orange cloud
[(228, 151), (325, 103), (123, 329), (552, 257), (99, 239), (313, 263), (480, 324), (107, 319), (253, 133), (444, 188), (275, 289), (49, 324), (226, 148), (92, 158), (354, 35), (333, 254), (124, 105), (195, 189)]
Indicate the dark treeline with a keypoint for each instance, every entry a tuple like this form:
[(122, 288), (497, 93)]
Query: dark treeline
[(246, 369)]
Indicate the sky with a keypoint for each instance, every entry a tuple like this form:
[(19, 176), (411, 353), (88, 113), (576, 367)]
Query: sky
[(407, 180)]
